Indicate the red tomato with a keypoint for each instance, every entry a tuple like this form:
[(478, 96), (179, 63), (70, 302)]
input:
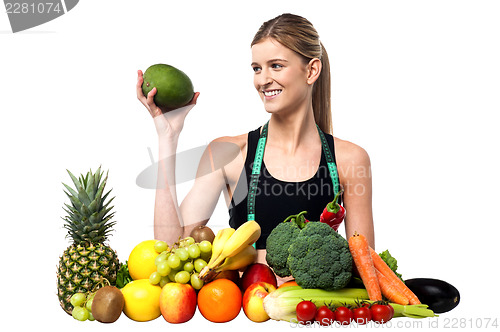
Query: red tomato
[(306, 311), (392, 310), (343, 315), (381, 313), (362, 315), (324, 316)]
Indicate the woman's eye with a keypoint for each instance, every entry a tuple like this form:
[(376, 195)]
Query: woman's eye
[(276, 66), (256, 69)]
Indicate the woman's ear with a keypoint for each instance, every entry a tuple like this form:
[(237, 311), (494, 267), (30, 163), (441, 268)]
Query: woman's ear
[(313, 70)]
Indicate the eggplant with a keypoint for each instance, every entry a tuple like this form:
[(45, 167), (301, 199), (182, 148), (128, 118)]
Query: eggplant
[(439, 295)]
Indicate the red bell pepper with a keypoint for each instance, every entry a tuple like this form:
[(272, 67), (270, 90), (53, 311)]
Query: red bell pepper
[(334, 213)]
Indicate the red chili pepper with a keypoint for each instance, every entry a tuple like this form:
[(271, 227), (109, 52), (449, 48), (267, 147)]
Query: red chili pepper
[(299, 219), (334, 213)]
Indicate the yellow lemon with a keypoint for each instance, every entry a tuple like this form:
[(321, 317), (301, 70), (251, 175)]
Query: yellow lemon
[(141, 262), (142, 300)]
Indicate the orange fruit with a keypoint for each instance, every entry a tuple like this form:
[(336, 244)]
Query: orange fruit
[(220, 300), (288, 283)]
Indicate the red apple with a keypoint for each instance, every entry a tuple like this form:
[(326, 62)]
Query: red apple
[(258, 272), (232, 275), (253, 301), (177, 302)]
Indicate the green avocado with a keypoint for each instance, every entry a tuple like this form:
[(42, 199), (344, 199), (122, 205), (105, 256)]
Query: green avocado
[(174, 87)]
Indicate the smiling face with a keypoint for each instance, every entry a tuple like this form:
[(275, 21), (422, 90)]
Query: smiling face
[(281, 77)]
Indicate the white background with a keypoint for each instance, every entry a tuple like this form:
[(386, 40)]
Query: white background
[(415, 83)]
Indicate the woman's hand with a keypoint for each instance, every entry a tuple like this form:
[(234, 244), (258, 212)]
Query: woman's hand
[(167, 121)]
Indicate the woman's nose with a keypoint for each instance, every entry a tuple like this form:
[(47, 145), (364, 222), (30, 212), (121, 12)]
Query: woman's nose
[(263, 78)]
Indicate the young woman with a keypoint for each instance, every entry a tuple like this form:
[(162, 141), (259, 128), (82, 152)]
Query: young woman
[(292, 77)]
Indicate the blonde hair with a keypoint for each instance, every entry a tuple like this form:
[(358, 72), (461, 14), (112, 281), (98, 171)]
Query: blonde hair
[(299, 35)]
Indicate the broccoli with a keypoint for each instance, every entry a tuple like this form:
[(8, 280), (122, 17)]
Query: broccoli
[(319, 257), (277, 244), (312, 252)]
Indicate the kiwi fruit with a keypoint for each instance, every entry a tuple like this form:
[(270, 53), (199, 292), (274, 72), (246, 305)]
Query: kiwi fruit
[(201, 233), (107, 305)]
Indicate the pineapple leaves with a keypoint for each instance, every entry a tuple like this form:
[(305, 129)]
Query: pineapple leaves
[(83, 197), (82, 194), (104, 198), (99, 175), (76, 182), (76, 203), (73, 213), (85, 211), (88, 217), (72, 192), (95, 204), (90, 187), (92, 184), (98, 198)]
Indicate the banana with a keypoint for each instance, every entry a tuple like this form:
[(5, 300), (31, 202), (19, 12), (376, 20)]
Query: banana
[(244, 258), (218, 243), (244, 236)]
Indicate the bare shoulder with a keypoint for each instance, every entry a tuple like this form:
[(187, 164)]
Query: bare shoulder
[(229, 146), (346, 151), (229, 153), (239, 140), (351, 158)]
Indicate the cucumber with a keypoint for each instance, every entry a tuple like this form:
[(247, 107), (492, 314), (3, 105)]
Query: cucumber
[(439, 295)]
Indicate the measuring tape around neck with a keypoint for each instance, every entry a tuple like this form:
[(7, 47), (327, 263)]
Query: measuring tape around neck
[(257, 165)]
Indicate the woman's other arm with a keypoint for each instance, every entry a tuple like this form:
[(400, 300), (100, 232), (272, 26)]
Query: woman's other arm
[(354, 168)]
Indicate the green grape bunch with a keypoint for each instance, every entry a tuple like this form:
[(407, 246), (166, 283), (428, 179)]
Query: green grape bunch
[(181, 262), (82, 306)]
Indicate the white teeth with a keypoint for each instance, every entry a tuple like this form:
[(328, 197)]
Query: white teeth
[(272, 93)]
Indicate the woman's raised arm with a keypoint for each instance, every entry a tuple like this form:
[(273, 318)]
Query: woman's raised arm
[(169, 222)]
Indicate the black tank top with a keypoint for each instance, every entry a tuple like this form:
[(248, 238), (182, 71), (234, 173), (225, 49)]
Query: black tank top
[(275, 199)]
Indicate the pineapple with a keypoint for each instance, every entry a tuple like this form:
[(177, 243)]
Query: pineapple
[(87, 261)]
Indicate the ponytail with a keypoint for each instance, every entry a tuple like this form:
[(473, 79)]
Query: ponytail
[(321, 98)]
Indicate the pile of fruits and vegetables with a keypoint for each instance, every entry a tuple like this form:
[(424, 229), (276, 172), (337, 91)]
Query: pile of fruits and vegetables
[(335, 281)]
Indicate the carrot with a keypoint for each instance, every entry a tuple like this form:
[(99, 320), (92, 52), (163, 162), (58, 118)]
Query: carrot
[(360, 251), (390, 290), (380, 265)]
